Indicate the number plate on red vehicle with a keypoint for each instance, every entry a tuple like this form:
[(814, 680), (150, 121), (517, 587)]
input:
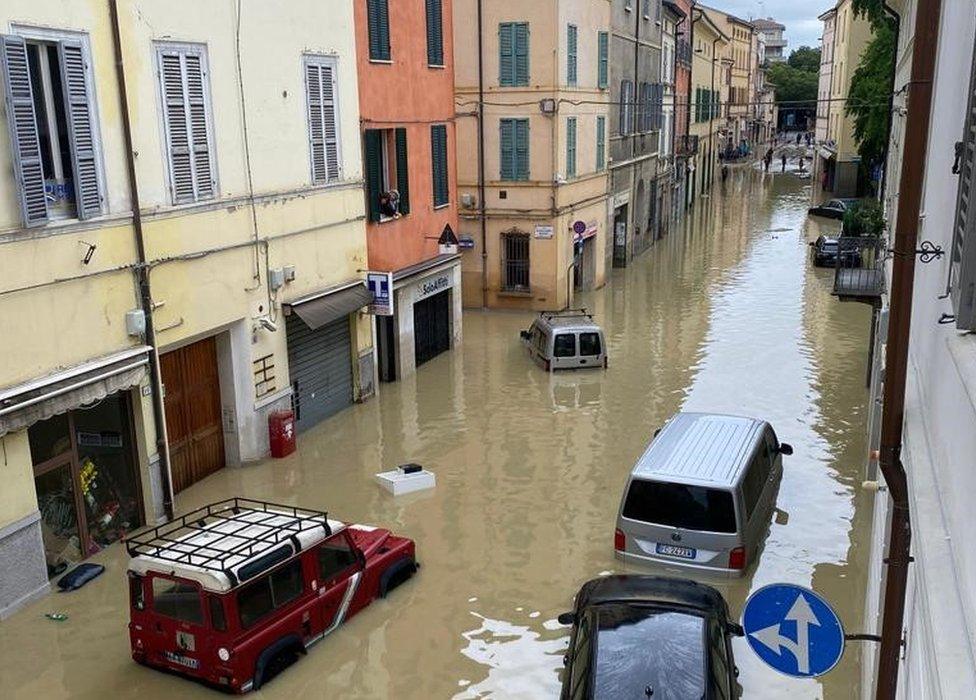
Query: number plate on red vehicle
[(181, 660), (670, 550)]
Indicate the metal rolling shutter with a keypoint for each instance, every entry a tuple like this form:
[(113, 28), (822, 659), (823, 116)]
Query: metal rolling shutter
[(320, 370)]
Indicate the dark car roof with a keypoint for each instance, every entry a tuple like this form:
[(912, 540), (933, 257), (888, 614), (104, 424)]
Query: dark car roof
[(652, 589)]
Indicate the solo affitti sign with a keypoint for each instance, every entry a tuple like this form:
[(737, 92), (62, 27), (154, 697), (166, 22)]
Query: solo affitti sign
[(433, 285), (380, 285)]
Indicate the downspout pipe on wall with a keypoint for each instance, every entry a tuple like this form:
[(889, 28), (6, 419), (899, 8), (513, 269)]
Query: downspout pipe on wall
[(917, 124), (481, 158), (142, 271)]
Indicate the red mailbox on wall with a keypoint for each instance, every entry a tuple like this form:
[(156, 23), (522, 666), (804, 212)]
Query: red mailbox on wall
[(281, 429)]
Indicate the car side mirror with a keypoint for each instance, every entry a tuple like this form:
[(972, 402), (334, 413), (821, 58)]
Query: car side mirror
[(525, 335), (786, 449), (567, 618), (735, 629), (811, 243)]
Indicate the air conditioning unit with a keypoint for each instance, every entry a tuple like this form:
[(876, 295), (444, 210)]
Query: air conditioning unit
[(547, 106), (468, 201)]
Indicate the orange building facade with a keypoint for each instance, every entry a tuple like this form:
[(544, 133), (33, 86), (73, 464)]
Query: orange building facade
[(405, 61)]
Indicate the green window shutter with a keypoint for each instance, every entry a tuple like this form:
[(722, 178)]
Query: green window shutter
[(521, 54), (601, 142), (24, 138), (571, 147), (506, 54), (378, 26), (521, 149), (403, 170), (571, 46), (373, 156), (603, 60), (439, 164), (507, 147), (435, 33)]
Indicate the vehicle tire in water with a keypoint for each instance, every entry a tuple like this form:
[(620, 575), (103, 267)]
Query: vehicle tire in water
[(279, 663)]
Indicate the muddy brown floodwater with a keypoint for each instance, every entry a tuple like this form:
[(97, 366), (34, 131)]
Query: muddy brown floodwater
[(725, 314)]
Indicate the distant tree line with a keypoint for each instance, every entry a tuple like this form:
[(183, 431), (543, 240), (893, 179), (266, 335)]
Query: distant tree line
[(797, 81)]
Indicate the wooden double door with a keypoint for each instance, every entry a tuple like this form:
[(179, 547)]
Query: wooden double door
[(193, 412)]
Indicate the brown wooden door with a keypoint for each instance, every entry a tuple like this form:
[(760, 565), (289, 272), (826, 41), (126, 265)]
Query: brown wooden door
[(193, 421)]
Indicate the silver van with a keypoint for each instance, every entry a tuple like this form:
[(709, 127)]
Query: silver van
[(566, 340), (702, 494)]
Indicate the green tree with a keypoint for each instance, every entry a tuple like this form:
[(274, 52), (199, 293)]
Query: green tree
[(793, 84), (805, 59), (868, 102)]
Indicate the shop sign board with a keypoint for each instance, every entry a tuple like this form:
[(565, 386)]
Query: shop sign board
[(544, 231), (433, 285), (465, 243), (380, 286)]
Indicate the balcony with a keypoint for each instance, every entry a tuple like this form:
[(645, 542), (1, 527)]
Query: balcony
[(686, 146), (682, 52), (859, 273)]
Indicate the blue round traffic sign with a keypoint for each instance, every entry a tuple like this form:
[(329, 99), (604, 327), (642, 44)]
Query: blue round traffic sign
[(793, 630)]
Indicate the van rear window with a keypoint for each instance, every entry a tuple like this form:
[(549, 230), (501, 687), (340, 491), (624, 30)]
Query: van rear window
[(681, 506)]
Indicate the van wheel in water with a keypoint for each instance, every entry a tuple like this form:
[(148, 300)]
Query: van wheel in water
[(281, 661)]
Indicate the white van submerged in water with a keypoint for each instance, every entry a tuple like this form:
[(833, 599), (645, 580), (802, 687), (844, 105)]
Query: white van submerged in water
[(568, 339), (702, 494)]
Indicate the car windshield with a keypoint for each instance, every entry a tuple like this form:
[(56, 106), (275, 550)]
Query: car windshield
[(681, 506), (829, 244), (641, 647)]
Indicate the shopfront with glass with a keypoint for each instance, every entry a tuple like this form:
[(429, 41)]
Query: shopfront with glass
[(87, 480)]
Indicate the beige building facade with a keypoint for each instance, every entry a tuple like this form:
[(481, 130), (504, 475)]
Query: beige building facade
[(709, 80), (533, 210), (740, 53), (253, 259)]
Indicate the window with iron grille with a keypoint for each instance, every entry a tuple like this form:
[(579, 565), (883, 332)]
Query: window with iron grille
[(53, 134), (513, 54), (962, 252), (323, 132), (515, 261), (378, 28)]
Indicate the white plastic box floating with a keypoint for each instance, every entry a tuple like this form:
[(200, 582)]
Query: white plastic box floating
[(406, 479)]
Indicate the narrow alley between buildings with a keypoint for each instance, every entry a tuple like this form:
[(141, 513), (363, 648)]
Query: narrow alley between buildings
[(726, 315)]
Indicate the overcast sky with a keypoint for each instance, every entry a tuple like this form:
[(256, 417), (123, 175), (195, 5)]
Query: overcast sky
[(799, 16)]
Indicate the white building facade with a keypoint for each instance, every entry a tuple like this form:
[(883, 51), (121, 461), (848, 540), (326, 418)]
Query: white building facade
[(939, 451)]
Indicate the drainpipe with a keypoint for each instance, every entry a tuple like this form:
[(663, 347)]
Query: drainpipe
[(481, 159), (142, 273), (917, 125)]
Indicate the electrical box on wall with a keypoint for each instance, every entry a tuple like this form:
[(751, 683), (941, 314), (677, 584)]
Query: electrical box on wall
[(135, 322), (276, 278), (289, 271)]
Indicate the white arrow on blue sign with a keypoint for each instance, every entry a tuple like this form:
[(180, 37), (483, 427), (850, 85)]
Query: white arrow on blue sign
[(793, 630)]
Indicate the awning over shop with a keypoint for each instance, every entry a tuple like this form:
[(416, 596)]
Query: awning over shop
[(826, 153), (39, 399), (319, 309)]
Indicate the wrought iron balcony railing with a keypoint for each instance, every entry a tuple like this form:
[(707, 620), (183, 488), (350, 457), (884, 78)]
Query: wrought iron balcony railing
[(686, 145), (859, 268)]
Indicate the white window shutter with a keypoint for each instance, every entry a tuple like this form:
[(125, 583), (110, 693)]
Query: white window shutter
[(177, 127), (329, 121), (75, 76), (182, 73), (22, 121), (316, 135)]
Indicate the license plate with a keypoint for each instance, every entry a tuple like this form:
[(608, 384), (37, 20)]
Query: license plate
[(670, 550), (181, 660)]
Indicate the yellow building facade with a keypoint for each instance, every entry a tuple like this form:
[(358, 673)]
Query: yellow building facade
[(739, 53), (247, 167), (709, 80), (534, 209)]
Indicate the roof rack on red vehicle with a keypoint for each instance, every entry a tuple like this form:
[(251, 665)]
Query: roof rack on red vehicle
[(222, 535)]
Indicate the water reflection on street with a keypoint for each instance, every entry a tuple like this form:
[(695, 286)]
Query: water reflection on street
[(725, 314)]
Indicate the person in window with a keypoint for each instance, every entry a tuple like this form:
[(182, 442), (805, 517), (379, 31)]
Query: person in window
[(390, 204)]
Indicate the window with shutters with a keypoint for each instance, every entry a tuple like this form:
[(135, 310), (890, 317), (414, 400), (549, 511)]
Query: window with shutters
[(185, 90), (513, 54), (439, 165), (321, 94), (572, 34), (515, 261), (626, 106), (387, 173), (514, 144), (601, 143), (571, 147), (435, 33), (50, 112), (603, 60), (378, 29), (962, 252)]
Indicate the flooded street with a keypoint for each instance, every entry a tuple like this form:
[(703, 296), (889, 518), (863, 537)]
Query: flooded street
[(726, 314)]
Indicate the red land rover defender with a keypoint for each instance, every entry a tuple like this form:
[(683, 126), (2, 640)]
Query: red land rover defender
[(230, 594)]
